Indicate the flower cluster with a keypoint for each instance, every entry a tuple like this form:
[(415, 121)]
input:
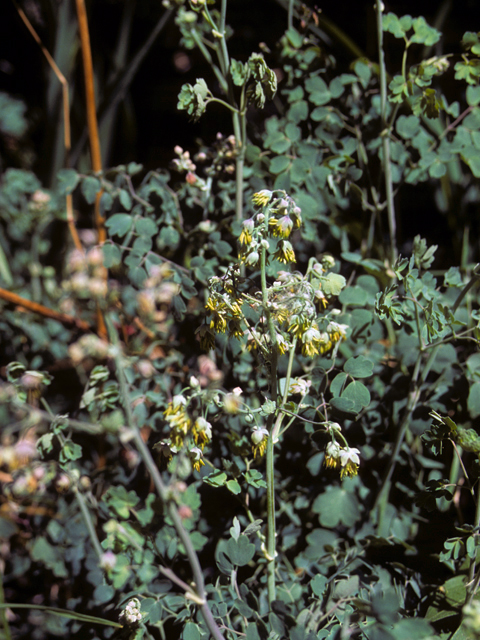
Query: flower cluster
[(278, 217), (131, 614), (185, 431), (346, 458)]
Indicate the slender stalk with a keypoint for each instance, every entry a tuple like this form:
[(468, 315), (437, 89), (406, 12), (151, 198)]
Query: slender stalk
[(88, 522), (290, 14), (413, 398), (197, 592), (392, 226), (3, 614), (473, 586), (270, 466)]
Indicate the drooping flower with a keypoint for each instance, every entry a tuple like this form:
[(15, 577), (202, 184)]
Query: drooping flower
[(246, 235), (311, 341), (259, 441), (284, 252), (202, 432), (332, 455), (350, 461), (262, 198), (195, 455), (207, 337), (281, 227)]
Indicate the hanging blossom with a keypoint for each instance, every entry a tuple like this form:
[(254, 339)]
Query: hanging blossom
[(259, 441), (345, 458)]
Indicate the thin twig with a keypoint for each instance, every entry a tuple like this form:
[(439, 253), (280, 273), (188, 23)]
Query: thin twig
[(44, 311)]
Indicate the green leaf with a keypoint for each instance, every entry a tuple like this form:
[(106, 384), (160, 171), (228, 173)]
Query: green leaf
[(68, 179), (120, 500), (194, 99), (358, 367), (119, 224), (112, 256), (234, 487), (474, 400), (408, 126), (336, 506), (337, 383), (344, 405), (279, 164), (332, 284), (319, 585), (358, 393), (191, 632), (318, 90), (395, 26), (90, 187), (125, 199), (216, 478), (264, 81), (353, 296), (294, 37), (240, 551), (240, 72), (70, 451)]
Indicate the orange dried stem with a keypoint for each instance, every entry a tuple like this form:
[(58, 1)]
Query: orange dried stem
[(66, 121), (43, 311), (91, 108)]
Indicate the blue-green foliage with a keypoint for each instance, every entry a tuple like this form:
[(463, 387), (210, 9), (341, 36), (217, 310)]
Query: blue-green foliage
[(362, 556)]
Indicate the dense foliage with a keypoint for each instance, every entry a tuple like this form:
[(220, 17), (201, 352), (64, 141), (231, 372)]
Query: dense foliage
[(231, 404)]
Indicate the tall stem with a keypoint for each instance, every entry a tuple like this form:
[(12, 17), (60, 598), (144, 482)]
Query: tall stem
[(392, 225), (270, 466)]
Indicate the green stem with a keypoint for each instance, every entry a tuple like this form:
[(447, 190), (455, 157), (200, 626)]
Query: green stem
[(3, 613), (197, 593), (290, 14), (270, 466), (413, 398), (386, 137), (63, 613), (88, 522), (473, 586)]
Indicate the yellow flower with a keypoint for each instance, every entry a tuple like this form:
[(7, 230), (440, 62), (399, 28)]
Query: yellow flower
[(281, 227), (207, 337), (234, 329), (217, 311), (202, 432), (284, 252), (259, 441), (350, 461), (246, 235), (195, 456), (262, 198), (332, 455)]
